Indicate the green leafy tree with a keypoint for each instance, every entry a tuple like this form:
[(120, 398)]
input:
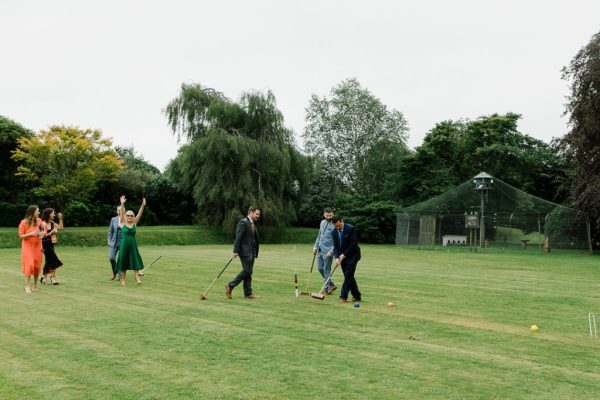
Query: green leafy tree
[(168, 204), (236, 154), (454, 151), (320, 192), (342, 130), (581, 145), (66, 163), (10, 133), (135, 175), (133, 181), (13, 190), (375, 219)]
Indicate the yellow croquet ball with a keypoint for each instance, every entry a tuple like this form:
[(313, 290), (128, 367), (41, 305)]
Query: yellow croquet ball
[(390, 304), (534, 328)]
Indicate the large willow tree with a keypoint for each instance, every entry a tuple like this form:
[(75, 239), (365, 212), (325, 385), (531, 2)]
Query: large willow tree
[(236, 154)]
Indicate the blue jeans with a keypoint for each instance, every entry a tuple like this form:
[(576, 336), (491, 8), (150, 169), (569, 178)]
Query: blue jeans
[(112, 257), (324, 264)]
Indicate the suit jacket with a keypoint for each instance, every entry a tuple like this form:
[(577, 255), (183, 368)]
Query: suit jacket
[(114, 233), (349, 247), (245, 243)]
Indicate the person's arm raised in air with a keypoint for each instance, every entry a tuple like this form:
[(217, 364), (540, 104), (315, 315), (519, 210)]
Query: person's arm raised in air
[(140, 212), (123, 199)]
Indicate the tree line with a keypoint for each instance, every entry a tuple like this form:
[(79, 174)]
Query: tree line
[(354, 158)]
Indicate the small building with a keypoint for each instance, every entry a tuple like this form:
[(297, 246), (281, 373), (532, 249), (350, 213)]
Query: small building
[(454, 240)]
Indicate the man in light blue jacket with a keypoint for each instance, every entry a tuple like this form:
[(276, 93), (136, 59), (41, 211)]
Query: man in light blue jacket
[(324, 246), (114, 242)]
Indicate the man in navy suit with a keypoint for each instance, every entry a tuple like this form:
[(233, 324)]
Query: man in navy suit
[(245, 246), (114, 242), (347, 255)]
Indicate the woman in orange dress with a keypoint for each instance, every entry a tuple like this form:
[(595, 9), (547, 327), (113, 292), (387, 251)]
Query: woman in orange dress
[(31, 231)]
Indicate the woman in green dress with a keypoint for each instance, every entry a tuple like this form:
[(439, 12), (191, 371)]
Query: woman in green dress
[(129, 255)]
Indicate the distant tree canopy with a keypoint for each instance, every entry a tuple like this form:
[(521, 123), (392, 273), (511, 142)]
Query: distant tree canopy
[(66, 163), (454, 151), (348, 130), (358, 145), (236, 154), (13, 189), (136, 173), (10, 133), (581, 145)]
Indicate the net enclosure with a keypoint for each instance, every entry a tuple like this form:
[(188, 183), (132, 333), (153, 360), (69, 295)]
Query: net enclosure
[(486, 212)]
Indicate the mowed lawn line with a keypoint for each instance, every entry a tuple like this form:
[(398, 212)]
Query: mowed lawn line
[(373, 360), (516, 281)]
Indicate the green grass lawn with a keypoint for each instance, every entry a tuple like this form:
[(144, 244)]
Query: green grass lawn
[(459, 328)]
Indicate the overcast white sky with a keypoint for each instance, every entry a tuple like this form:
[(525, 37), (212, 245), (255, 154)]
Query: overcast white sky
[(114, 65)]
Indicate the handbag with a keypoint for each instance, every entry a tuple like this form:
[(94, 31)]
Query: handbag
[(53, 237)]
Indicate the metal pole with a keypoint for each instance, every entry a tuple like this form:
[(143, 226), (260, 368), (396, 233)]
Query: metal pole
[(589, 236), (482, 224), (539, 233), (440, 229), (510, 226)]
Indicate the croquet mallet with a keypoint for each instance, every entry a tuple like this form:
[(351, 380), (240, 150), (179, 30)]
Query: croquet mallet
[(321, 295), (203, 295), (142, 271), (306, 292)]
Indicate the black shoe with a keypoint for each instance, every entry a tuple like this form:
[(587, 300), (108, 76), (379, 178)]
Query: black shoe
[(42, 281)]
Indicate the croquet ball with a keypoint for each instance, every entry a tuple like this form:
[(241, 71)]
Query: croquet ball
[(390, 304), (356, 305), (534, 328)]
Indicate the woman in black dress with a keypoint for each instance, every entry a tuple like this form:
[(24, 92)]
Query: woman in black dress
[(52, 261)]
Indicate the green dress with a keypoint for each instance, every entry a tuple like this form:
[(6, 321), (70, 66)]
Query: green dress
[(129, 255)]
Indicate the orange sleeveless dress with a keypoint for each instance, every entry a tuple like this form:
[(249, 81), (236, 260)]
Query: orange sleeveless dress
[(31, 248)]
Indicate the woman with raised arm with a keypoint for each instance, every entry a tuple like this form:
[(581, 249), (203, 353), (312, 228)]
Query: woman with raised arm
[(129, 255), (52, 261), (31, 232)]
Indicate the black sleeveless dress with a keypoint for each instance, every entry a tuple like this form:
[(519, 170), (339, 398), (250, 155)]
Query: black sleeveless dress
[(52, 261)]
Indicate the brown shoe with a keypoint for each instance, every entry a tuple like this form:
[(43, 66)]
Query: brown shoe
[(343, 300), (228, 291), (331, 289), (356, 299), (252, 297)]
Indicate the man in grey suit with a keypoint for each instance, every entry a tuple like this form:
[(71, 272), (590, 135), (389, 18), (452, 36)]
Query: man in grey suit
[(324, 247), (245, 246), (114, 242)]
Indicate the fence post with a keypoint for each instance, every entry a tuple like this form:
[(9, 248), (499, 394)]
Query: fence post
[(589, 236)]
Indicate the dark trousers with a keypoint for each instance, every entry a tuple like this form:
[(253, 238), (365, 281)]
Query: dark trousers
[(349, 284), (245, 275)]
